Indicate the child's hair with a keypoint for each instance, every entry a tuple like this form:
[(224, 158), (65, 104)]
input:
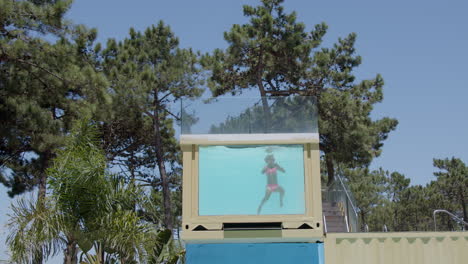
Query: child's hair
[(269, 157)]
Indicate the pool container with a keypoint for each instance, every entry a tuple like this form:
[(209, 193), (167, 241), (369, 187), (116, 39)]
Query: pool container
[(225, 176)]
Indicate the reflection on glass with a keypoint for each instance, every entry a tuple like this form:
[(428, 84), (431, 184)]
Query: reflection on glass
[(288, 114), (250, 180)]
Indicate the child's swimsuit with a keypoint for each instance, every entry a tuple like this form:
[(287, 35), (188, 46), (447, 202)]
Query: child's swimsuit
[(272, 187), (272, 181)]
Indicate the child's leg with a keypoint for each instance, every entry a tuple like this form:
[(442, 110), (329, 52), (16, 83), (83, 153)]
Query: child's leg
[(281, 191), (265, 198)]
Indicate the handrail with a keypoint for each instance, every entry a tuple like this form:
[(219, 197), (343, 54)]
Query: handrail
[(385, 229), (347, 224), (456, 218), (348, 196), (325, 224)]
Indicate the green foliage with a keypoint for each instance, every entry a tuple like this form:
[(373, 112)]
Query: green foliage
[(77, 176), (367, 189), (87, 206), (50, 76), (34, 228), (47, 79), (274, 54), (271, 52), (148, 72), (52, 73), (388, 198), (162, 248), (452, 182), (347, 133)]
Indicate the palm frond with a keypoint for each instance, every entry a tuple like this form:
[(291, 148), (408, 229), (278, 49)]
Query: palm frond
[(35, 229)]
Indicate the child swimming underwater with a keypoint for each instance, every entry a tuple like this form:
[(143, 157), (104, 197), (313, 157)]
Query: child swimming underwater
[(270, 170)]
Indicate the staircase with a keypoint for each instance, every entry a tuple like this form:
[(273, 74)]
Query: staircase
[(334, 217)]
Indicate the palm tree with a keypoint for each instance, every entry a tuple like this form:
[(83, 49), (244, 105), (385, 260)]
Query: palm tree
[(36, 230), (87, 206)]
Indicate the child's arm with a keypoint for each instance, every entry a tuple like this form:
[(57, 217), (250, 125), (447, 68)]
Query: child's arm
[(264, 170), (280, 168)]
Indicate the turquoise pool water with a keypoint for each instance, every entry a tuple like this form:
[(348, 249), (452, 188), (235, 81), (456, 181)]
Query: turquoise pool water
[(233, 180)]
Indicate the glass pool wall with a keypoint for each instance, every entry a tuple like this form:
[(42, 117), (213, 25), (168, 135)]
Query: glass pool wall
[(244, 115), (233, 180)]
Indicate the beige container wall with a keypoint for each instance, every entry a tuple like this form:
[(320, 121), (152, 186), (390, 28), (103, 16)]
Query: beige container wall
[(397, 248), (290, 223)]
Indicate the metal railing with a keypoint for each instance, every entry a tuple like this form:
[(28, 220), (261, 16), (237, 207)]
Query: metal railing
[(457, 219), (339, 193), (351, 209), (325, 224), (384, 228)]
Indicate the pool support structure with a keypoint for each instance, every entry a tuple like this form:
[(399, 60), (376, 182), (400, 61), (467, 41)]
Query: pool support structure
[(252, 238), (300, 239)]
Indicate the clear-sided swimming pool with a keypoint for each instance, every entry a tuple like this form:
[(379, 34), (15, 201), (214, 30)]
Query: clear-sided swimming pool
[(234, 180)]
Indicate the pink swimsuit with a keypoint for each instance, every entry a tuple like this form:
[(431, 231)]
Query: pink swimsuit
[(270, 171), (272, 187)]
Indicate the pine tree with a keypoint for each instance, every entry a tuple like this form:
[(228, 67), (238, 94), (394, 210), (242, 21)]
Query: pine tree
[(452, 180), (87, 206), (403, 207), (368, 189), (148, 72), (270, 53), (274, 54), (396, 187), (47, 80)]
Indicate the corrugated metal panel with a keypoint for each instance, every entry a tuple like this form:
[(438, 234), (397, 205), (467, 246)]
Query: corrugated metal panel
[(397, 248)]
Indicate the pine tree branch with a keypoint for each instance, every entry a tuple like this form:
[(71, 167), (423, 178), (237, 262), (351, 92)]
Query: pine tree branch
[(41, 68), (172, 114), (165, 110), (148, 113), (164, 97)]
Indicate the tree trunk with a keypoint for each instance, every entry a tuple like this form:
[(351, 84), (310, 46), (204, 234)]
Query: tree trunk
[(266, 107), (363, 221), (42, 185), (465, 213), (103, 254), (330, 169), (463, 204), (160, 162), (40, 201), (71, 253), (45, 158), (132, 177)]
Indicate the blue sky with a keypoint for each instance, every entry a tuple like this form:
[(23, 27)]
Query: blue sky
[(420, 47)]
